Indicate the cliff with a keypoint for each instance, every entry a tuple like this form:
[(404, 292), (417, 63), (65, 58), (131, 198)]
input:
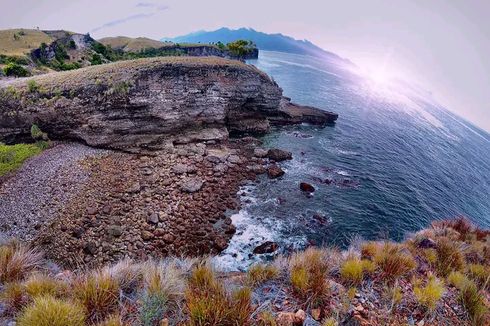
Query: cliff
[(146, 103)]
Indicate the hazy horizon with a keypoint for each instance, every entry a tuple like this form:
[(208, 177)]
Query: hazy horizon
[(438, 45)]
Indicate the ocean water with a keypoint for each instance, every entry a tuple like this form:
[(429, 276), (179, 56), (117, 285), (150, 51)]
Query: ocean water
[(393, 162)]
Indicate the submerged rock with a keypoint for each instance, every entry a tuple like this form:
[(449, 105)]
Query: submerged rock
[(274, 172), (306, 187), (266, 248)]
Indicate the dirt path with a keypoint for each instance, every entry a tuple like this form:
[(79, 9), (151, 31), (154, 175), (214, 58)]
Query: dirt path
[(37, 192)]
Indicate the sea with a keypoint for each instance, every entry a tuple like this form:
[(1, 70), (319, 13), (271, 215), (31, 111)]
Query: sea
[(394, 161)]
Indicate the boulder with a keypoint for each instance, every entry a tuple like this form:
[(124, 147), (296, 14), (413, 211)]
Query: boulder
[(274, 171), (191, 185), (266, 248), (427, 243), (306, 187), (279, 155), (183, 168), (260, 152), (152, 218)]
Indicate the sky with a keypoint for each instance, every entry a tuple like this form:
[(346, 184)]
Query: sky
[(443, 46)]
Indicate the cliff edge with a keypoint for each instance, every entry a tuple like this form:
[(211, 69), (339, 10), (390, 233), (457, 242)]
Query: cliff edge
[(147, 103)]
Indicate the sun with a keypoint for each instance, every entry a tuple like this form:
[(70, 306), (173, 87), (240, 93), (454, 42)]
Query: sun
[(379, 76)]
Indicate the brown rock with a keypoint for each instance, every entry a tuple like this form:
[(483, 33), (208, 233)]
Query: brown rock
[(152, 218), (306, 187), (90, 248), (274, 172), (279, 155), (115, 230), (290, 318), (92, 210), (146, 235), (266, 248)]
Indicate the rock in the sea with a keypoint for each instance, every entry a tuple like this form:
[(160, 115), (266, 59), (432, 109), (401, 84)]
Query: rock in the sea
[(260, 152), (191, 185), (279, 155), (274, 171), (120, 105), (266, 248), (306, 187)]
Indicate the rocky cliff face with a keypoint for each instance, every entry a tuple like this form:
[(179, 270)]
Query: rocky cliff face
[(146, 103)]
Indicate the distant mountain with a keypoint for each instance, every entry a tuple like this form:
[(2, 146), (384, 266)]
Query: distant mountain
[(268, 42)]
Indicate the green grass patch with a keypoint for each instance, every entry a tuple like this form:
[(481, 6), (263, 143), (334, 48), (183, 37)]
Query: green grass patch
[(12, 156)]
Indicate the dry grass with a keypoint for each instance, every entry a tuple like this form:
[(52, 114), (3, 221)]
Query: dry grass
[(393, 261), (129, 44), (457, 279), (266, 318), (14, 298), (17, 261), (428, 295), (208, 303), (474, 303), (354, 269), (49, 311), (308, 272), (98, 293), (260, 273), (19, 42), (40, 285), (449, 257), (480, 274)]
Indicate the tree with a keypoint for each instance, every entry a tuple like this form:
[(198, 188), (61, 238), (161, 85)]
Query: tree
[(14, 69)]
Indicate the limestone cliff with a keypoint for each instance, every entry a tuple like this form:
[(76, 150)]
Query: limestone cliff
[(146, 103)]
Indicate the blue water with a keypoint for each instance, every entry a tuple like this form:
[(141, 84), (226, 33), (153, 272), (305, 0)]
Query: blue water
[(395, 158)]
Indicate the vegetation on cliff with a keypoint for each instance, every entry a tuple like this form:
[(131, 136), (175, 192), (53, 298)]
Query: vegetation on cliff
[(438, 275), (25, 51)]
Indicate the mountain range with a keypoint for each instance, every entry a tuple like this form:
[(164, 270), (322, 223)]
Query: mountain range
[(269, 42)]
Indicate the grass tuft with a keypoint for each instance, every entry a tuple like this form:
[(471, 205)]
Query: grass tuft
[(260, 273), (208, 303), (49, 311), (98, 293), (308, 272), (18, 261), (353, 270), (449, 257), (393, 261), (457, 279), (480, 274), (430, 294), (473, 302), (40, 285)]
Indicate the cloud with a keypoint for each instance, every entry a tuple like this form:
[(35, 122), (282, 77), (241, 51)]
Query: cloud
[(154, 5), (122, 21)]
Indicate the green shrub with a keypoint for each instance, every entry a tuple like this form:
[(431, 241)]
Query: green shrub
[(32, 86), (16, 70), (37, 133), (96, 59), (12, 156)]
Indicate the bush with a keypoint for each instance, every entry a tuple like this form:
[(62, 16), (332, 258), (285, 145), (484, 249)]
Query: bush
[(16, 70), (260, 273), (32, 86), (430, 294), (37, 133), (48, 311), (96, 59), (393, 261)]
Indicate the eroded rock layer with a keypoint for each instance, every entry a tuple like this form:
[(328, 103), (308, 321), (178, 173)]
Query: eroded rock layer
[(147, 103)]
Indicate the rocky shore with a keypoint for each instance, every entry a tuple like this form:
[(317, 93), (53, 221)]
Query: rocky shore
[(88, 207)]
